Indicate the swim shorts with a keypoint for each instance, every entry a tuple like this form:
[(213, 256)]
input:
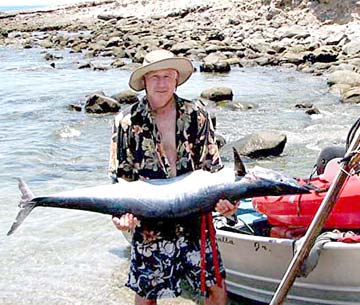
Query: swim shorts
[(159, 265)]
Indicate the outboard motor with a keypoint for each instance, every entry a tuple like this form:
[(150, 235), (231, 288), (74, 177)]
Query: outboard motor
[(331, 152), (327, 154)]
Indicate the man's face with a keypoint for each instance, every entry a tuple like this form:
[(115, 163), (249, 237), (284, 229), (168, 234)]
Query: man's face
[(160, 86)]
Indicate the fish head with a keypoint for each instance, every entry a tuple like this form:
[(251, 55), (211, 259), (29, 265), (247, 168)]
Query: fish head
[(276, 183), (260, 181)]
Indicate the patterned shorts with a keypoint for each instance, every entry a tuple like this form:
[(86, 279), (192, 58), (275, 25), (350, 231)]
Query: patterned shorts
[(159, 265)]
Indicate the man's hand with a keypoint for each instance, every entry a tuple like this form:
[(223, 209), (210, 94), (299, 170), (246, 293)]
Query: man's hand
[(125, 222), (226, 208)]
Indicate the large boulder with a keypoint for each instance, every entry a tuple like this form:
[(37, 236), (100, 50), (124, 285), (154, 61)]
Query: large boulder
[(323, 54), (257, 145), (126, 97), (352, 48), (215, 62), (293, 57), (98, 103), (344, 77), (351, 96), (218, 94)]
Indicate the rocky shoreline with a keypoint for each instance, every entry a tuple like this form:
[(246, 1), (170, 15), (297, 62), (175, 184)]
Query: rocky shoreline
[(321, 37), (313, 36)]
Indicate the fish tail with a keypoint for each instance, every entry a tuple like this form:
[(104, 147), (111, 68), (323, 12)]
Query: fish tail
[(26, 205)]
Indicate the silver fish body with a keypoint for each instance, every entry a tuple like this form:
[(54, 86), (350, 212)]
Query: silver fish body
[(193, 193)]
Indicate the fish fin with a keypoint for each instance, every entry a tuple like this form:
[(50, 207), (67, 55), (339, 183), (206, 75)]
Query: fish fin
[(26, 206), (27, 194), (239, 166)]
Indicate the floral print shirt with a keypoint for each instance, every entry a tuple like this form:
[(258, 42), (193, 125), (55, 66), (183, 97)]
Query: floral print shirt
[(137, 152), (136, 148)]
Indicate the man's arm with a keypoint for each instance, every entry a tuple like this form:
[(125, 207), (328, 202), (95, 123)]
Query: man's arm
[(127, 221)]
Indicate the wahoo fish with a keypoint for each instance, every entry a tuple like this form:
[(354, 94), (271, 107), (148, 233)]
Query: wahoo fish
[(193, 193)]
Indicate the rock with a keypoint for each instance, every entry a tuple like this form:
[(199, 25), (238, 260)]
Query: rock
[(323, 54), (108, 17), (99, 67), (272, 13), (98, 103), (49, 57), (86, 65), (355, 62), (139, 56), (114, 42), (221, 67), (131, 66), (243, 106), (343, 66), (352, 48), (118, 63), (259, 144), (312, 111), (182, 47), (216, 35), (75, 107), (234, 61), (257, 45), (335, 39), (304, 105), (344, 77), (351, 96), (215, 62), (295, 31), (292, 57), (339, 89), (126, 97), (46, 44), (217, 94), (28, 45)]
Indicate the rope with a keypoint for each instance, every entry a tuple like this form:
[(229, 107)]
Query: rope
[(214, 250), (202, 255), (207, 223)]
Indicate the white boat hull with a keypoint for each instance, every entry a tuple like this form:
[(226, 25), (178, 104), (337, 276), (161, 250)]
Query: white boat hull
[(255, 266)]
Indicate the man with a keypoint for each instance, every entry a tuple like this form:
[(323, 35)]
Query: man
[(164, 136)]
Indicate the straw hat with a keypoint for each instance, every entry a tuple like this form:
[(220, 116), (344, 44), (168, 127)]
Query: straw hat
[(158, 60)]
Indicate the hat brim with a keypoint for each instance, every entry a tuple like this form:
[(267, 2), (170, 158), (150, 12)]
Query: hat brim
[(181, 64)]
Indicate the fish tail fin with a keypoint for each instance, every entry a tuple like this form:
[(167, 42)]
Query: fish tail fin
[(26, 205)]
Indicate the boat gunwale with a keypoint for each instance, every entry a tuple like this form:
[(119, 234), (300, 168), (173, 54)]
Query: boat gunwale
[(331, 245)]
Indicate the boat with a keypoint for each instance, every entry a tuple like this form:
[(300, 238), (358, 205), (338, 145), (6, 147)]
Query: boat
[(297, 211), (258, 250), (256, 262), (258, 247)]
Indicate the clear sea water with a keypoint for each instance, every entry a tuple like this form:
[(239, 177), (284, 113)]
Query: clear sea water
[(73, 257)]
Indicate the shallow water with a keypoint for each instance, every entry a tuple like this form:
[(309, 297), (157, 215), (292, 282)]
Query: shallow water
[(73, 257)]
